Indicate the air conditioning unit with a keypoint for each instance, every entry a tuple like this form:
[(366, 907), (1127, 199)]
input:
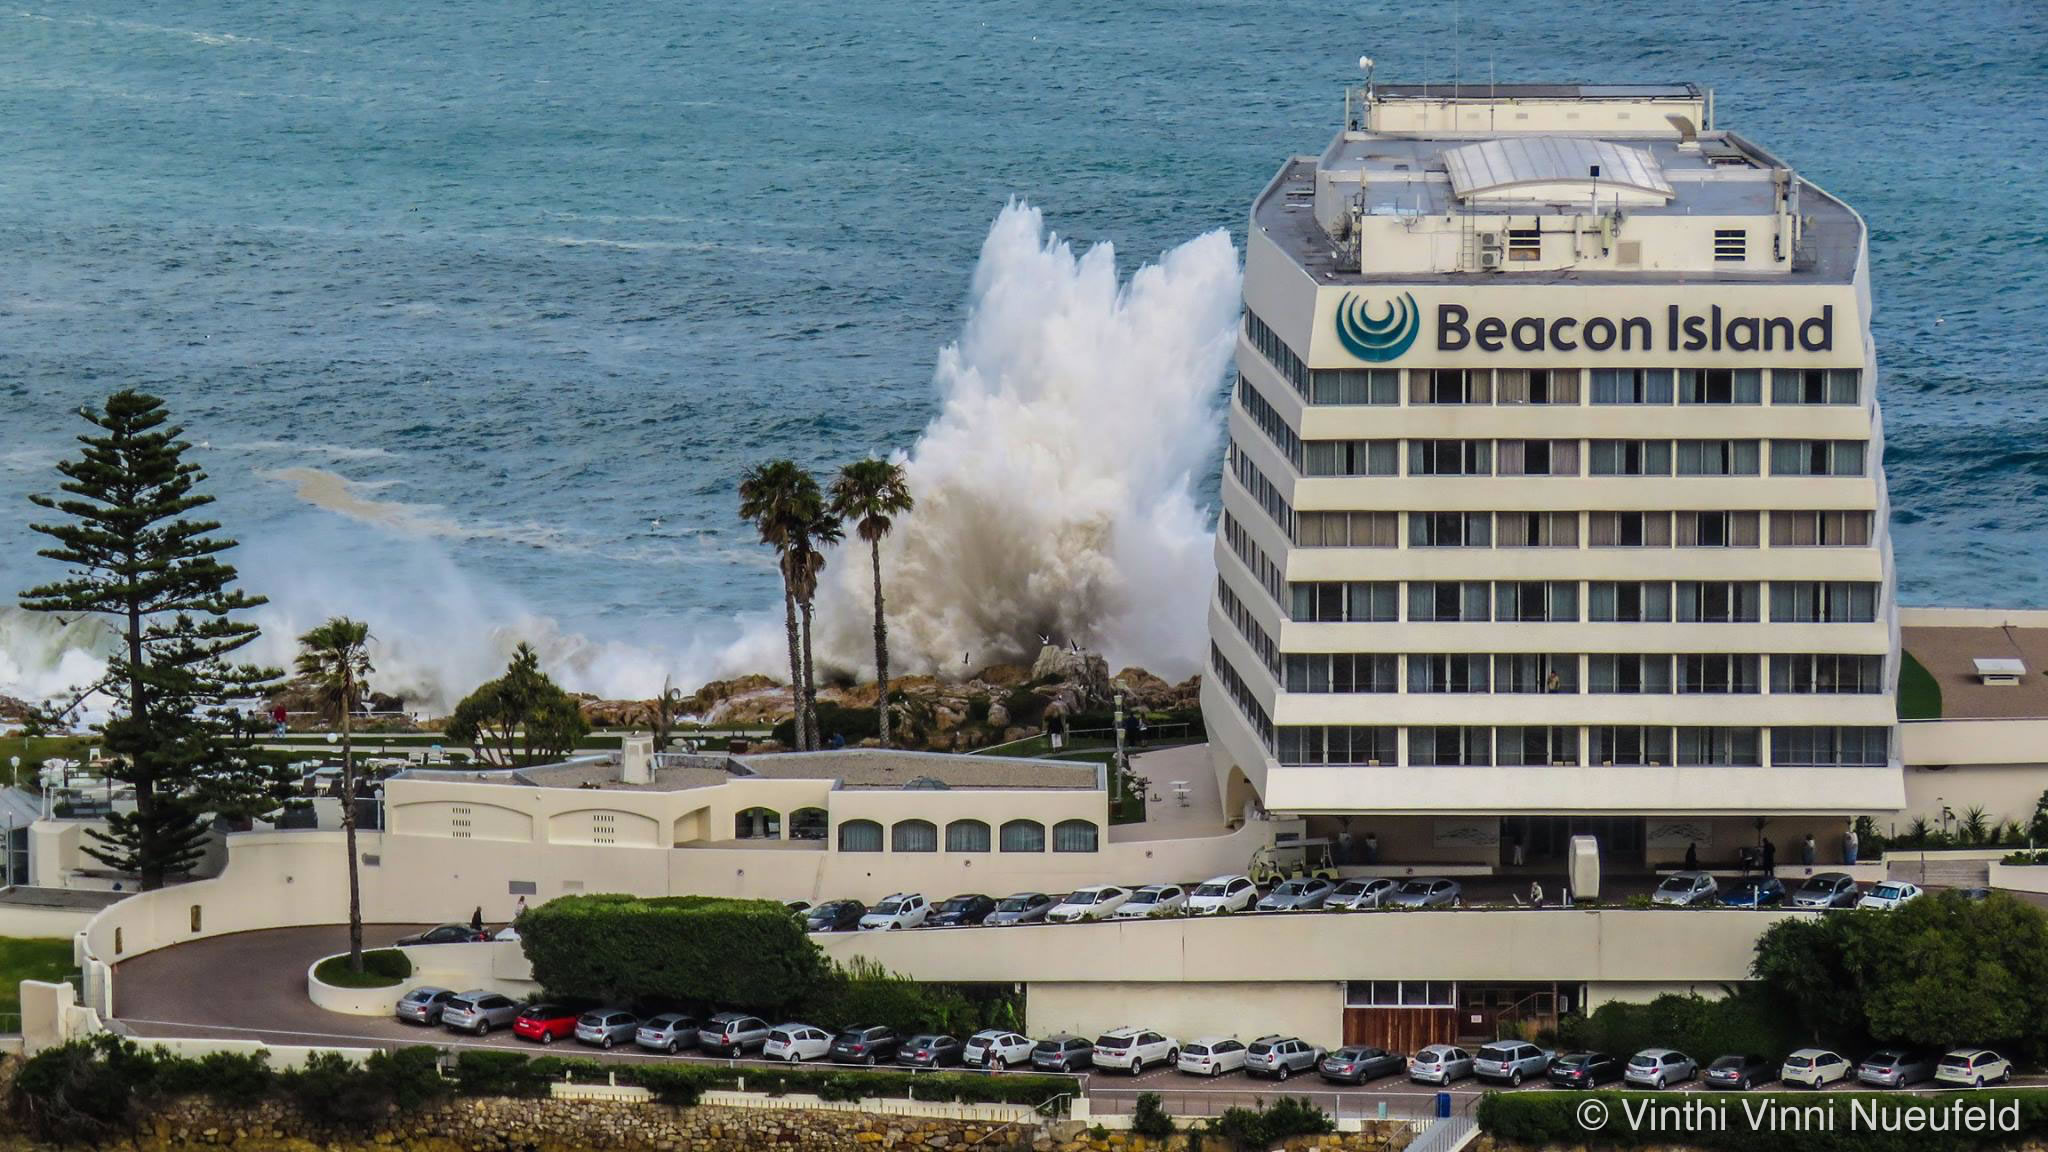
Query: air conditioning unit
[(1489, 241), (1489, 258)]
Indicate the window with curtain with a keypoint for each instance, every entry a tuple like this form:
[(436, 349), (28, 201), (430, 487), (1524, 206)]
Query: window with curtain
[(914, 836), (1537, 457), (1529, 673), (1636, 746), (1073, 836), (1023, 836), (1720, 386), (1717, 457), (1629, 457), (860, 836), (1450, 386), (1445, 746), (1628, 674), (1830, 747), (1826, 674), (1631, 385), (1539, 386), (1448, 601), (1352, 458), (1628, 529), (1535, 747), (1628, 601), (1718, 673), (1448, 672), (1717, 529), (967, 836), (1819, 529), (1355, 386), (1718, 601), (1729, 747), (1815, 385)]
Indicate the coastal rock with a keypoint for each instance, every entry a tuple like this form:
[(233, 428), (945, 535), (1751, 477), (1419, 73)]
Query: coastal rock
[(1086, 670)]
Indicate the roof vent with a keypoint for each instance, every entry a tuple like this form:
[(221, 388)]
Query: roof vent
[(636, 759), (2000, 673)]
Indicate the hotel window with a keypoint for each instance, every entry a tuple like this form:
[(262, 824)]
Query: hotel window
[(1525, 243), (1074, 836), (1240, 694), (1820, 529), (1536, 601), (1817, 457), (1330, 602), (860, 836), (1631, 385), (1537, 529), (1351, 458), (1731, 244), (1539, 386), (1720, 747), (1717, 529), (914, 836), (967, 836), (1253, 557), (1535, 673), (1355, 386), (1450, 386), (1537, 458), (1718, 602), (1717, 457), (1337, 744), (1627, 601), (1022, 836), (1448, 601), (1276, 351), (1816, 385), (1450, 457), (1628, 674), (1719, 386), (1450, 530), (1628, 529), (1630, 457), (1813, 602), (1261, 489), (1718, 674), (1436, 747), (1459, 672), (1343, 672), (1347, 530), (1826, 675), (1631, 746), (1248, 625), (1830, 747), (1536, 747), (1269, 421)]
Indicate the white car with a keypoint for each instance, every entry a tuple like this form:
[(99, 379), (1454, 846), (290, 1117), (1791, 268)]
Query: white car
[(796, 1042), (1889, 895), (903, 910), (1134, 1049), (1212, 1056), (1092, 903), (1223, 894), (997, 1048), (1974, 1067), (1160, 898), (1364, 892), (1814, 1068)]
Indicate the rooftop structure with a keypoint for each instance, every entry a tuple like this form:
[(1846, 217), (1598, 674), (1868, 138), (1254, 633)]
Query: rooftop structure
[(867, 768)]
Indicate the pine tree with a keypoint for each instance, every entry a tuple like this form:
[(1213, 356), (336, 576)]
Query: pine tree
[(137, 559)]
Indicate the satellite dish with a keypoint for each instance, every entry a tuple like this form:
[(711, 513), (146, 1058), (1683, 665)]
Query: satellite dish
[(1365, 63)]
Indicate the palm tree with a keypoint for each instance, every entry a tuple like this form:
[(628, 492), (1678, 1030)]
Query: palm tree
[(783, 501), (867, 494), (335, 657), (807, 560)]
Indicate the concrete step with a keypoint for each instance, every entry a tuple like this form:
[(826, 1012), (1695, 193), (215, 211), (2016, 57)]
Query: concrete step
[(1940, 873)]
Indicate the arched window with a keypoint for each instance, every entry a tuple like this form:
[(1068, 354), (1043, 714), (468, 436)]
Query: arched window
[(1073, 836), (966, 836), (1023, 836), (757, 824), (809, 824), (914, 836), (860, 836)]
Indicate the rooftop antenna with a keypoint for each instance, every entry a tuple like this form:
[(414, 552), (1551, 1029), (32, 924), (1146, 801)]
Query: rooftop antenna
[(1457, 45)]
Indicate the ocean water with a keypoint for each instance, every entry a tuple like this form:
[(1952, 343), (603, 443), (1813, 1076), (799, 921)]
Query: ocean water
[(478, 310)]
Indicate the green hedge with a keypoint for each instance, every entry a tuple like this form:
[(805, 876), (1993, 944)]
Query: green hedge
[(1540, 1119), (1745, 1021), (381, 968), (749, 955)]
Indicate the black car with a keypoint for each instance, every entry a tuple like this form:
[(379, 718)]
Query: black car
[(445, 934), (1741, 1072), (1584, 1069), (961, 911), (1355, 1064), (835, 916), (1063, 1053), (932, 1051), (867, 1044)]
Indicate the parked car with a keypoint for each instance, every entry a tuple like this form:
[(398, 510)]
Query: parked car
[(1223, 894), (422, 1005), (478, 1011), (1426, 892), (797, 908), (835, 916), (1826, 890), (1755, 892), (795, 1043), (1511, 1061), (864, 1044), (1160, 898), (605, 1027), (1974, 893), (732, 1033), (1357, 895), (931, 1050), (1889, 895), (1814, 1068), (1022, 908), (1686, 890), (1062, 1053), (445, 934), (1975, 1067), (1301, 894), (1212, 1056), (997, 1048), (546, 1023), (1584, 1070), (1659, 1067), (903, 910), (669, 1032), (1440, 1064), (1896, 1067), (961, 911), (1356, 1063), (1132, 1049), (1091, 903), (1280, 1057), (1740, 1072)]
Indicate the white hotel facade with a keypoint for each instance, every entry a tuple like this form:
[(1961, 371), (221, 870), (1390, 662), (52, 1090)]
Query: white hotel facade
[(1554, 500)]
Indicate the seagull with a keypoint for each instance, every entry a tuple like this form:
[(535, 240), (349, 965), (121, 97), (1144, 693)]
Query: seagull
[(1043, 639), (654, 523)]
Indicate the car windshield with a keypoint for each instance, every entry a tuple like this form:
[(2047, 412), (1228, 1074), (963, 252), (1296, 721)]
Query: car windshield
[(1572, 1060), (889, 907), (1428, 1057), (1113, 1042), (1210, 890), (1643, 1062), (956, 904), (1049, 1046), (1888, 892), (1886, 1057), (1490, 1053), (1291, 888), (1349, 888), (1820, 885), (419, 996), (1144, 896), (1955, 1061), (1261, 1048), (1196, 1050), (1416, 887), (1676, 884), (1085, 896), (1017, 903), (1798, 1061)]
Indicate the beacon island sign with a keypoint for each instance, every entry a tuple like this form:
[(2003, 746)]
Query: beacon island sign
[(1381, 330)]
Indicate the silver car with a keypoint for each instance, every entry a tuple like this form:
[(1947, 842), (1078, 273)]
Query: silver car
[(606, 1027), (423, 1005), (1426, 892), (1511, 1061), (1657, 1067), (670, 1032), (1896, 1068), (1364, 892), (1280, 1057), (479, 1011), (1302, 894), (1687, 890), (731, 1033), (1021, 908), (1440, 1064), (1826, 890)]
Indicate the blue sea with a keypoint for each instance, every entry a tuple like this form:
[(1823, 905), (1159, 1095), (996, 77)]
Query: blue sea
[(479, 309)]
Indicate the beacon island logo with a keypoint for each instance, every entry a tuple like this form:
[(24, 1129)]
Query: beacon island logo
[(1382, 338)]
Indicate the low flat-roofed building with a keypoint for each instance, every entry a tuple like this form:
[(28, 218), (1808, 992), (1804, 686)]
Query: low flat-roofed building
[(1973, 740)]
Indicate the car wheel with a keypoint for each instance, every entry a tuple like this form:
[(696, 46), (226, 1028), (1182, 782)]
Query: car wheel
[(674, 1047), (871, 1060), (547, 1037), (1515, 1078), (607, 1042), (1742, 1085), (1215, 1070), (483, 1027), (1172, 1057), (791, 1056), (894, 927), (1660, 1083), (2005, 1077), (1979, 1083), (1281, 1073)]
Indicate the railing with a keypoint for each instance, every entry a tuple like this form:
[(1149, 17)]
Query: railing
[(1415, 1110)]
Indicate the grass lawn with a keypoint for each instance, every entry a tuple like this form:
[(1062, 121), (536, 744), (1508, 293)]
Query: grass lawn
[(1919, 692), (31, 959), (382, 968)]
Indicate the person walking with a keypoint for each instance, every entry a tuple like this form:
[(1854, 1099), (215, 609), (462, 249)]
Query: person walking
[(1692, 856), (519, 909), (476, 919), (1056, 730)]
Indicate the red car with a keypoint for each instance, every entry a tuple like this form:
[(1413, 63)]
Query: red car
[(546, 1023)]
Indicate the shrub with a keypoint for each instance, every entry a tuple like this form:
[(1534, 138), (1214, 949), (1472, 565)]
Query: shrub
[(1149, 1118), (487, 1073), (73, 1095), (1248, 1128), (1742, 1022), (381, 967), (233, 1078), (677, 950)]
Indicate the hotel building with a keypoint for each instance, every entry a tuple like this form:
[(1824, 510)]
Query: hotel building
[(1554, 501)]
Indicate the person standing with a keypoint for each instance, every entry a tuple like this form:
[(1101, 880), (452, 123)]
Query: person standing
[(278, 717), (1515, 848), (519, 909), (1372, 847), (1807, 851), (476, 919), (1692, 856), (1770, 857), (1849, 845)]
